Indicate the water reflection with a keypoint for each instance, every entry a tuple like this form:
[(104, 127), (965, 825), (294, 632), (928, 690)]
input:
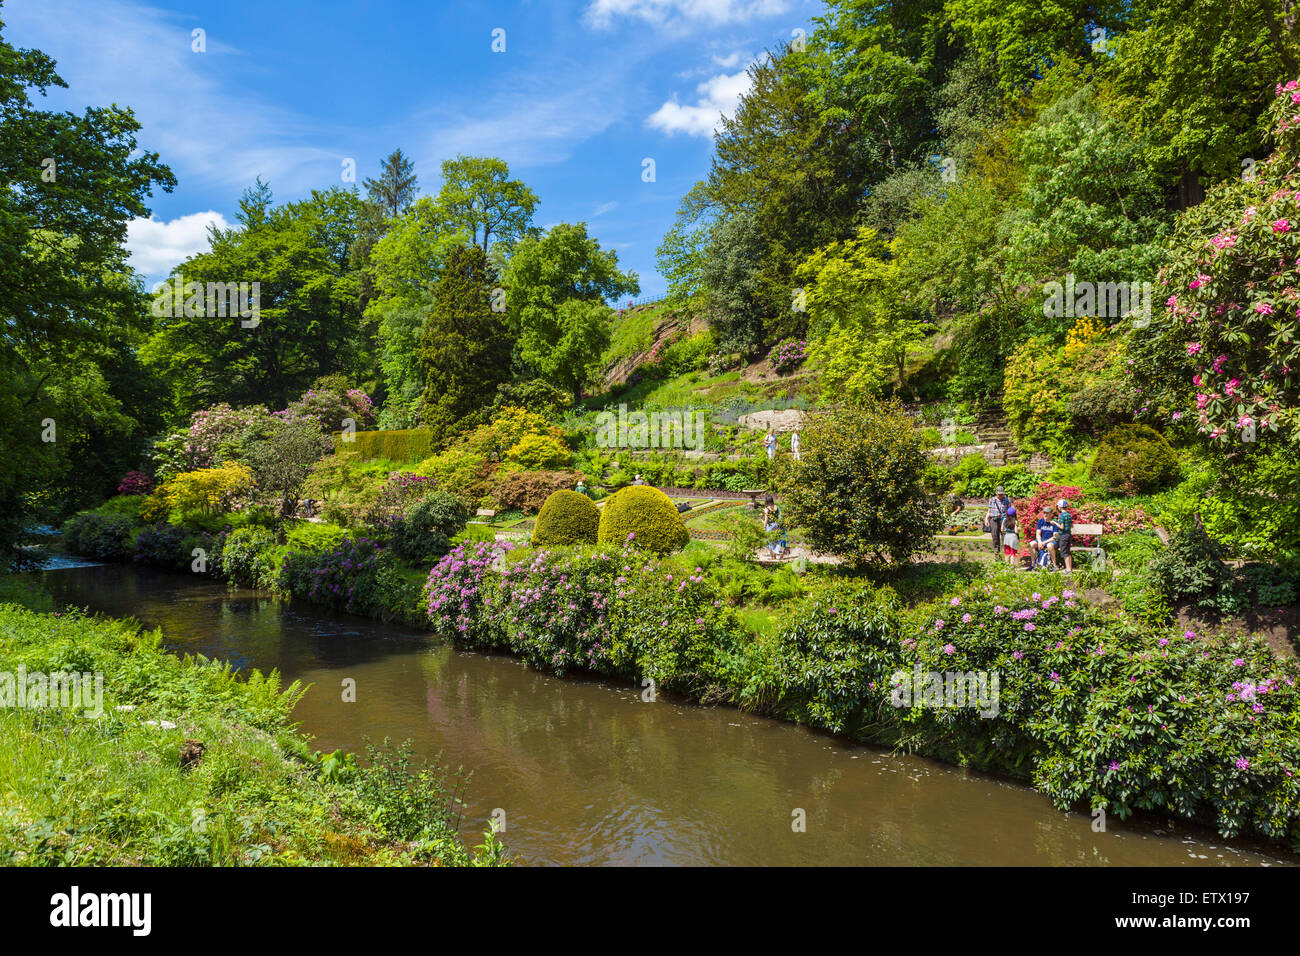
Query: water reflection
[(588, 773)]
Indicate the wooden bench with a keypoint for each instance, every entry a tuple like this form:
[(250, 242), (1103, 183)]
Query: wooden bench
[(1097, 553)]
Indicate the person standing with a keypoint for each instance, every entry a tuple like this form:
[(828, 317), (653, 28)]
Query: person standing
[(1065, 526), (997, 512), (769, 442), (1010, 540), (794, 446)]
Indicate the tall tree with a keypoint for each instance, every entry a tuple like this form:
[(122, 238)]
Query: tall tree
[(71, 184), (555, 287), (465, 346), (480, 197), (307, 322), (394, 191)]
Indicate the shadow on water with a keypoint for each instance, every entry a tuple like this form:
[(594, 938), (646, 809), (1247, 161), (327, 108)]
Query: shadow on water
[(588, 773)]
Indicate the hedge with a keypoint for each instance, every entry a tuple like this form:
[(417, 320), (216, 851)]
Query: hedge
[(397, 444)]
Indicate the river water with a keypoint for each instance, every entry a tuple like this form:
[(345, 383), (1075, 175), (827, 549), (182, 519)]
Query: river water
[(587, 773)]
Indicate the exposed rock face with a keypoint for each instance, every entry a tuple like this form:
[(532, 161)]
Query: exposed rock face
[(785, 420)]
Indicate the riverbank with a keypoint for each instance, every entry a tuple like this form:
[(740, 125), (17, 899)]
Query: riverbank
[(1099, 711), (584, 770), (133, 756)]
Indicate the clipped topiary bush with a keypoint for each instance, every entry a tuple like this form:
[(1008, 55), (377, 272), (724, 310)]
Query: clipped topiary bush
[(567, 517), (645, 513), (1135, 458)]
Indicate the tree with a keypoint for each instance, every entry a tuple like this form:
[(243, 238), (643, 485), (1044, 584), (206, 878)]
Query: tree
[(394, 191), (465, 347), (555, 291), (67, 300), (860, 321), (1193, 81), (858, 489), (280, 455), (479, 197), (307, 322)]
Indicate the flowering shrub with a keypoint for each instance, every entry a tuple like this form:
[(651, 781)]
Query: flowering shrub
[(454, 592), (214, 434), (329, 407), (787, 355), (1234, 295), (349, 577), (1098, 713), (613, 611), (1113, 519), (135, 483)]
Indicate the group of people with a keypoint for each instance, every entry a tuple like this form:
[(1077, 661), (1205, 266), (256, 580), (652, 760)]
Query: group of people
[(1050, 546), (769, 444)]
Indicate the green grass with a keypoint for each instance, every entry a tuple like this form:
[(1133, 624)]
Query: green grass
[(633, 333), (109, 790)]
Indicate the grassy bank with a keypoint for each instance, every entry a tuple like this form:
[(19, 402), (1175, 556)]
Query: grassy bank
[(185, 763)]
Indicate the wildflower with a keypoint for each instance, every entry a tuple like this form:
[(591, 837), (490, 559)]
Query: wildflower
[(949, 649)]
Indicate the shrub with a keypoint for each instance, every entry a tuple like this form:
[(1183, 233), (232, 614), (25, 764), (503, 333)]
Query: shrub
[(539, 451), (163, 545), (787, 355), (246, 557), (94, 534), (398, 444), (398, 495), (423, 534), (135, 483), (859, 491), (205, 491), (1135, 458), (348, 577), (527, 491), (1192, 570), (645, 515), (567, 517), (461, 471)]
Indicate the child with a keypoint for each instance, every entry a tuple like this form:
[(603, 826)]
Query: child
[(1010, 540), (1065, 521)]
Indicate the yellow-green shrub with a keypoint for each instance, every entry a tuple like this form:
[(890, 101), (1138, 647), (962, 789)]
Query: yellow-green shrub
[(206, 490), (648, 515), (567, 517)]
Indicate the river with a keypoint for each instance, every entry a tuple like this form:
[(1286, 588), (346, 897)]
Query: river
[(587, 773)]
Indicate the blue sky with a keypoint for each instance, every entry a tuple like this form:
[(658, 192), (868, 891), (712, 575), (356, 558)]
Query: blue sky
[(584, 92)]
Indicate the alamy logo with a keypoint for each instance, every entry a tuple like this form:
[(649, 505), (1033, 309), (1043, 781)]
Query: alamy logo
[(946, 689), (103, 909), (655, 430), (214, 300), (1103, 300), (70, 691)]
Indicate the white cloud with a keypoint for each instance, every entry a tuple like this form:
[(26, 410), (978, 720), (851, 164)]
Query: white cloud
[(678, 13), (731, 60), (156, 246), (604, 208), (718, 95)]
